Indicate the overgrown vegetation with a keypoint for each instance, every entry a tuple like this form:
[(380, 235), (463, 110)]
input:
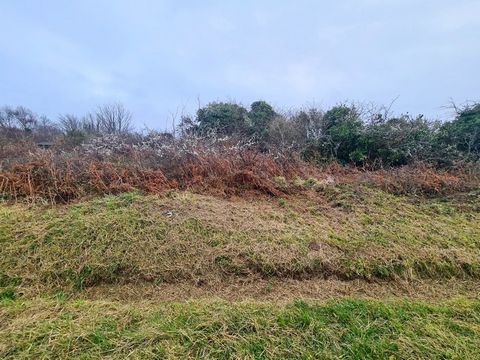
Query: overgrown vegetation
[(227, 148), (248, 201)]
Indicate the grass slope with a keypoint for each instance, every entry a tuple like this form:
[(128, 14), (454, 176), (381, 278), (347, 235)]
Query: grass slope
[(68, 275), (347, 232)]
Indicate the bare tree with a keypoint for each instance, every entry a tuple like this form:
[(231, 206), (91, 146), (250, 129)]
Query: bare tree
[(6, 121), (46, 130), (19, 117), (114, 119), (92, 124), (70, 123)]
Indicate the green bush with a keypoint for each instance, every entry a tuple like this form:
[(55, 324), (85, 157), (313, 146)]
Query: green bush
[(261, 115), (223, 118), (462, 135), (398, 141)]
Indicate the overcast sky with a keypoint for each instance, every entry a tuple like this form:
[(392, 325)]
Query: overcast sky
[(159, 57)]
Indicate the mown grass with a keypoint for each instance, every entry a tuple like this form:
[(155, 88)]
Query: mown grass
[(346, 329), (347, 232)]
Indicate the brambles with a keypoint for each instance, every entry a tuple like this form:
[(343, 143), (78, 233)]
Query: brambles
[(354, 134), (59, 179), (215, 167), (419, 179)]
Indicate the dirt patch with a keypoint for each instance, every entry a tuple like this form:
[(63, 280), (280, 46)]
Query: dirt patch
[(248, 180), (286, 290)]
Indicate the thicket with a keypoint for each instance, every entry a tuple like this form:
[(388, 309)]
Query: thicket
[(226, 146), (346, 133), (351, 134)]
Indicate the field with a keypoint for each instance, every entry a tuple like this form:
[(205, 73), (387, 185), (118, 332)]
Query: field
[(332, 271), (196, 180)]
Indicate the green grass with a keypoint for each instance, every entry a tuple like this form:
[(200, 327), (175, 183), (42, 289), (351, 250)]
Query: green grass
[(349, 232), (346, 329), (50, 255)]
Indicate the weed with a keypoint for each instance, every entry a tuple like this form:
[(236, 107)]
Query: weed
[(7, 294), (311, 182)]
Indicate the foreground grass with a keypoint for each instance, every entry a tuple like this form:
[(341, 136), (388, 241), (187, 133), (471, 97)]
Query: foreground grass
[(53, 256), (347, 329), (346, 232)]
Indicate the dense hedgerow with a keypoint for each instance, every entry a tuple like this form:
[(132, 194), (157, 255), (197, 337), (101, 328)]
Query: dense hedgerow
[(227, 148), (345, 133)]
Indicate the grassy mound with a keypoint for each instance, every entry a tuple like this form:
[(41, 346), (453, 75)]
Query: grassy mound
[(346, 232), (347, 329), (82, 280)]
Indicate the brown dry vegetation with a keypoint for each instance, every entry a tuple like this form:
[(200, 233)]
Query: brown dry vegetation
[(61, 178), (133, 256)]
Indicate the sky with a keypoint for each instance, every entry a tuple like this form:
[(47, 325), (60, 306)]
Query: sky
[(164, 58)]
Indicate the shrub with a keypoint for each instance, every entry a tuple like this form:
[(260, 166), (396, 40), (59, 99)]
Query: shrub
[(228, 149), (223, 119), (397, 141), (261, 115), (463, 133)]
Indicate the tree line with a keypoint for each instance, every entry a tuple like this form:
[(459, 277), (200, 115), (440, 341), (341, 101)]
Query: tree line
[(347, 133)]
